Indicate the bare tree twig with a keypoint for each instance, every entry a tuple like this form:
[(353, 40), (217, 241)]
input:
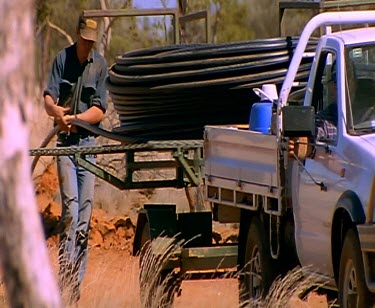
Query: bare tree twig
[(61, 31)]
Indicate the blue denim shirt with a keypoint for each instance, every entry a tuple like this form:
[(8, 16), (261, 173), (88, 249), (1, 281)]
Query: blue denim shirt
[(65, 71)]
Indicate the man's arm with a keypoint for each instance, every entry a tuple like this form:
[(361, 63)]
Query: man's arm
[(92, 115), (51, 93), (100, 97)]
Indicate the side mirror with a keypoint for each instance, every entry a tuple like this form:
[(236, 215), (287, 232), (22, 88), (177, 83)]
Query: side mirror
[(298, 121)]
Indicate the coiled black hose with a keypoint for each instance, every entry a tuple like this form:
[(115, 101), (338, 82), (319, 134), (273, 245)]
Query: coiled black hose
[(172, 92)]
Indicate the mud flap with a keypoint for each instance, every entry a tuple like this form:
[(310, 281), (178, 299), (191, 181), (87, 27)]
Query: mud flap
[(162, 220)]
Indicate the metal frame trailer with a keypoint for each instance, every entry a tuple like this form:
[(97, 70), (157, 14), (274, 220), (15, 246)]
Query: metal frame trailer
[(161, 222)]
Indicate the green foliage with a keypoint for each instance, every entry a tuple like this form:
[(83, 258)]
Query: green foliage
[(262, 18), (227, 21)]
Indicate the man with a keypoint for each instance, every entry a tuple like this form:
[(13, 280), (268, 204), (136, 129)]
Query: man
[(76, 90)]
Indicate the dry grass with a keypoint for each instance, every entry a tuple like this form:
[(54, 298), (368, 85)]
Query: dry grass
[(113, 282), (296, 284), (113, 279), (288, 291), (283, 292), (157, 284)]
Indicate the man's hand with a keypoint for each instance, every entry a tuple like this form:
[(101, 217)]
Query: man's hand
[(69, 118), (53, 109), (59, 114)]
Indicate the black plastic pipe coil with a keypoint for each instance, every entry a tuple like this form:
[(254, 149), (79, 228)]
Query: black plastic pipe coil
[(171, 92)]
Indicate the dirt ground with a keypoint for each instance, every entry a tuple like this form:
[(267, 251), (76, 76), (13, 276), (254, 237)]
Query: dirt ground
[(112, 281)]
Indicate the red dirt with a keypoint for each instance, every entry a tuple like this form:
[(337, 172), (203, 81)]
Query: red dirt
[(112, 281)]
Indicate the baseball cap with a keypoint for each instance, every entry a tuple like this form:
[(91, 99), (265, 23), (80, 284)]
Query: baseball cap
[(88, 28)]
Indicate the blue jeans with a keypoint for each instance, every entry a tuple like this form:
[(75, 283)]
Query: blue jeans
[(77, 194)]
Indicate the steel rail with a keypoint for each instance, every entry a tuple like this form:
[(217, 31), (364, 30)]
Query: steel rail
[(122, 148)]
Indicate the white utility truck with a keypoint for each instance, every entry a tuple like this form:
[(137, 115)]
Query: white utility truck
[(300, 199)]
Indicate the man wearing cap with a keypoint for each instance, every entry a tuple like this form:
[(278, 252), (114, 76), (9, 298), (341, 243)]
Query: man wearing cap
[(76, 90)]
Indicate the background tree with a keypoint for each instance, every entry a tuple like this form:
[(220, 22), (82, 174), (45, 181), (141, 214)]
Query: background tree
[(24, 258), (227, 21), (230, 20)]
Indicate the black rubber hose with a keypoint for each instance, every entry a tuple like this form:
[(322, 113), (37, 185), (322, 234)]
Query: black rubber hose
[(45, 142)]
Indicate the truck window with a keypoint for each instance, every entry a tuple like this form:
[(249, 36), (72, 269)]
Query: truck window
[(325, 99), (360, 85)]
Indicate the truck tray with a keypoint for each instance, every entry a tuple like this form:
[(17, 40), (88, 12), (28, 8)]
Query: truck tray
[(232, 172)]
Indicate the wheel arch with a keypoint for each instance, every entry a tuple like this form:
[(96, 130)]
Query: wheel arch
[(348, 213)]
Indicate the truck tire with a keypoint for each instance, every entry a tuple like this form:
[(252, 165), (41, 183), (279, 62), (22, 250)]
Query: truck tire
[(259, 268), (160, 289), (353, 291)]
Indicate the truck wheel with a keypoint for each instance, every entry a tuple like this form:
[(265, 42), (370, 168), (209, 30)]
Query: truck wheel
[(259, 268), (157, 286), (353, 291)]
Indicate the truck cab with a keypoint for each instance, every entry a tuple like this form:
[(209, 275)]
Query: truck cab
[(342, 84), (333, 188), (341, 87)]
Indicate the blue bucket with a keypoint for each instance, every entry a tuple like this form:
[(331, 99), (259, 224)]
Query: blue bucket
[(260, 117)]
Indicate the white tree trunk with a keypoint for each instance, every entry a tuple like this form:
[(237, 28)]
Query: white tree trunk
[(28, 277), (106, 32)]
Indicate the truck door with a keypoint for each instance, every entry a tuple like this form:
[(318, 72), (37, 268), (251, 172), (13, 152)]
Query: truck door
[(313, 204)]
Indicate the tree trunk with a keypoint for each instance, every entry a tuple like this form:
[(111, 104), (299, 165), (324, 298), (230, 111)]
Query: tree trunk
[(182, 8), (28, 277), (106, 33)]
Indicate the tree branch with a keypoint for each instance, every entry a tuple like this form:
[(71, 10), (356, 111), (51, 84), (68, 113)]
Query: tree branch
[(61, 31)]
